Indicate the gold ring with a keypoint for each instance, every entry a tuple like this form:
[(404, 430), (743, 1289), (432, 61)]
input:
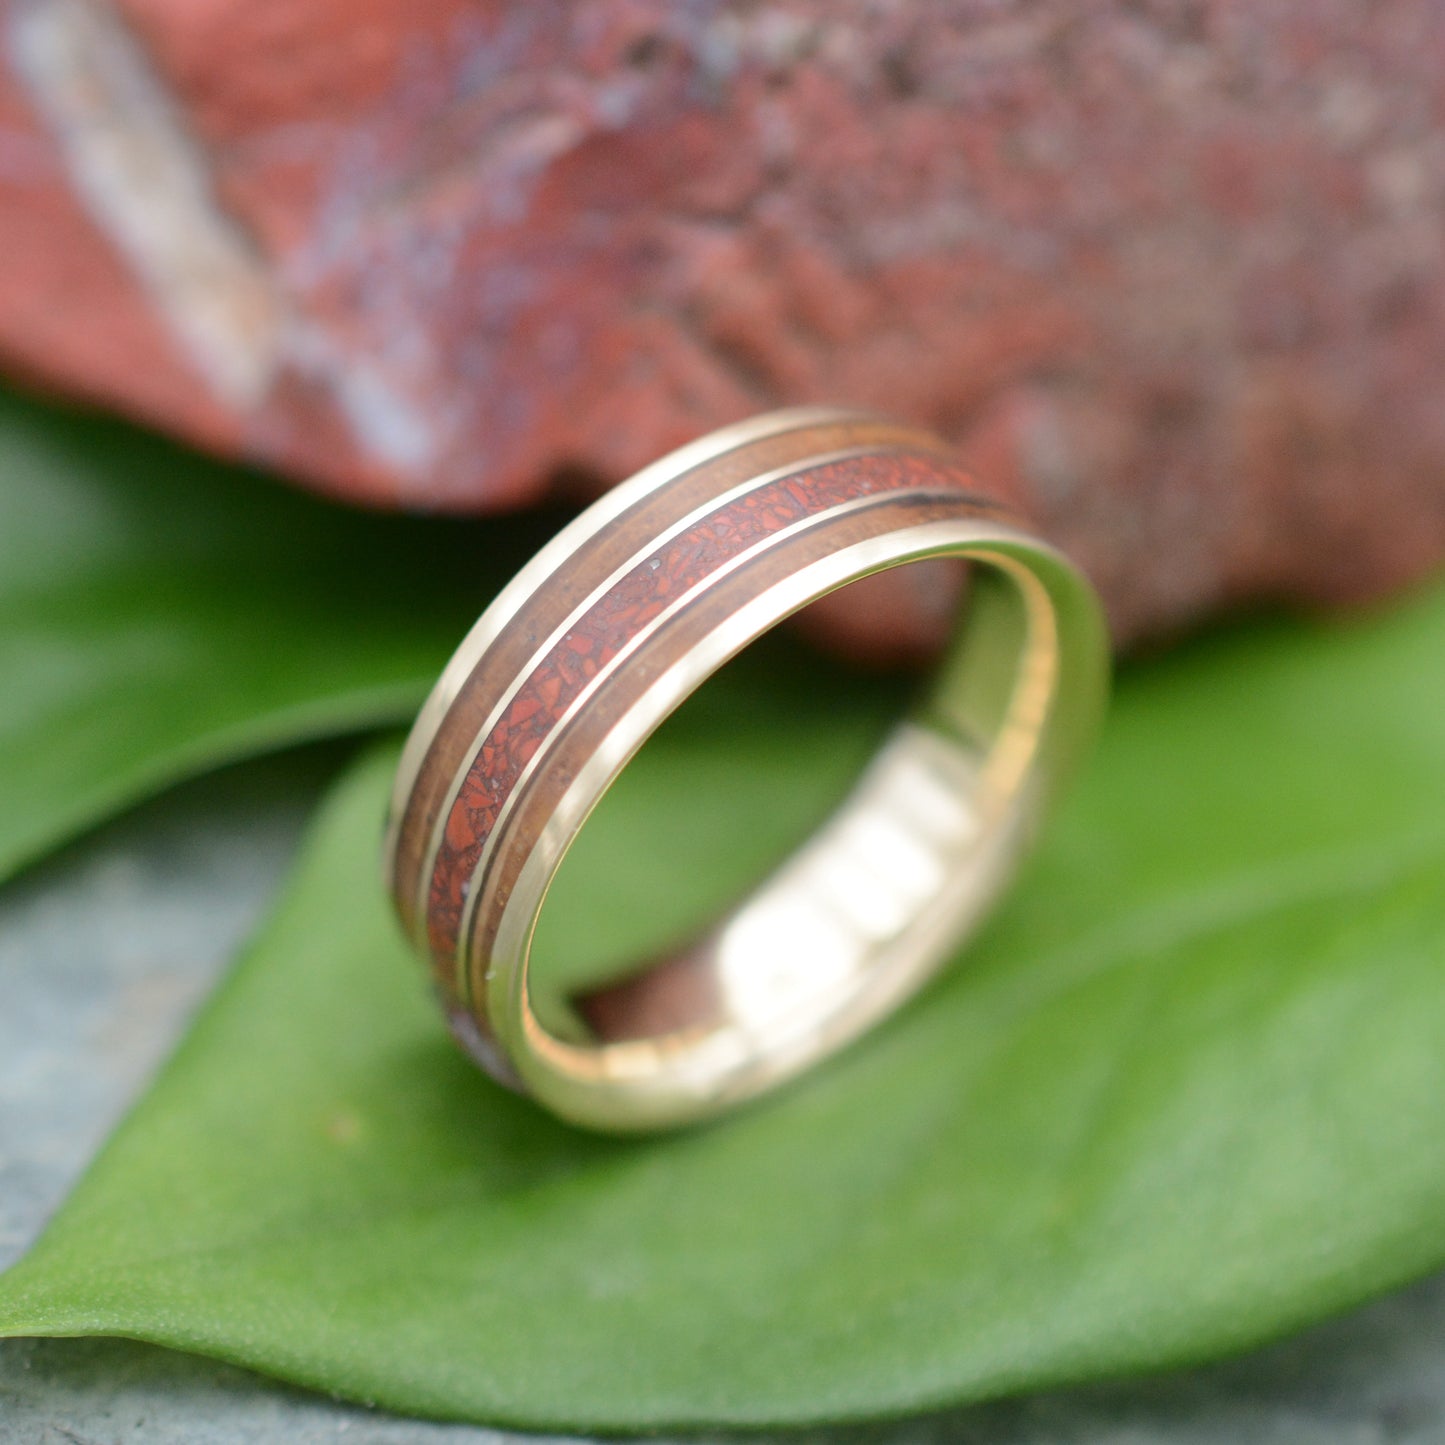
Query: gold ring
[(605, 632)]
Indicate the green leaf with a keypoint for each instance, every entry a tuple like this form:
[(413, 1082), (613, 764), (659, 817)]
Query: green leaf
[(161, 613), (1181, 1096)]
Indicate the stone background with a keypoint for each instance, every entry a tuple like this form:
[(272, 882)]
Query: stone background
[(1171, 272)]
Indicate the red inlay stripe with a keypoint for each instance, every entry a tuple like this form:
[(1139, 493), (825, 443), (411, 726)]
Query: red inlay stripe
[(678, 565)]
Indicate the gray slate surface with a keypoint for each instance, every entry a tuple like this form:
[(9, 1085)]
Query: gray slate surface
[(106, 952)]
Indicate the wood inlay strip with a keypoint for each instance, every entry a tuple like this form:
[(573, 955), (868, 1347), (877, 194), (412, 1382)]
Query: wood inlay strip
[(577, 738), (679, 564), (550, 605)]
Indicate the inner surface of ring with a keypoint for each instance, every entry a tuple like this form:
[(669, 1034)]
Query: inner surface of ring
[(868, 903)]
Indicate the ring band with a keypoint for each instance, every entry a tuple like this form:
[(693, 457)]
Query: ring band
[(606, 631)]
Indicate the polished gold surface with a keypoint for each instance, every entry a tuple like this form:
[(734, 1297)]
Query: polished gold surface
[(869, 908)]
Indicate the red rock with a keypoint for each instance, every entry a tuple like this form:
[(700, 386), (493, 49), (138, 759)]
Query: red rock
[(1172, 273)]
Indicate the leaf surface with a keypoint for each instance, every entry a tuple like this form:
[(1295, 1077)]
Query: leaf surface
[(161, 613), (1179, 1097)]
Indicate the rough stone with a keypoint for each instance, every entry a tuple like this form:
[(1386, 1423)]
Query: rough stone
[(1172, 272)]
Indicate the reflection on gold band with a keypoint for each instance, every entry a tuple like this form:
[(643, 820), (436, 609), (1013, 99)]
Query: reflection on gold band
[(870, 906)]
